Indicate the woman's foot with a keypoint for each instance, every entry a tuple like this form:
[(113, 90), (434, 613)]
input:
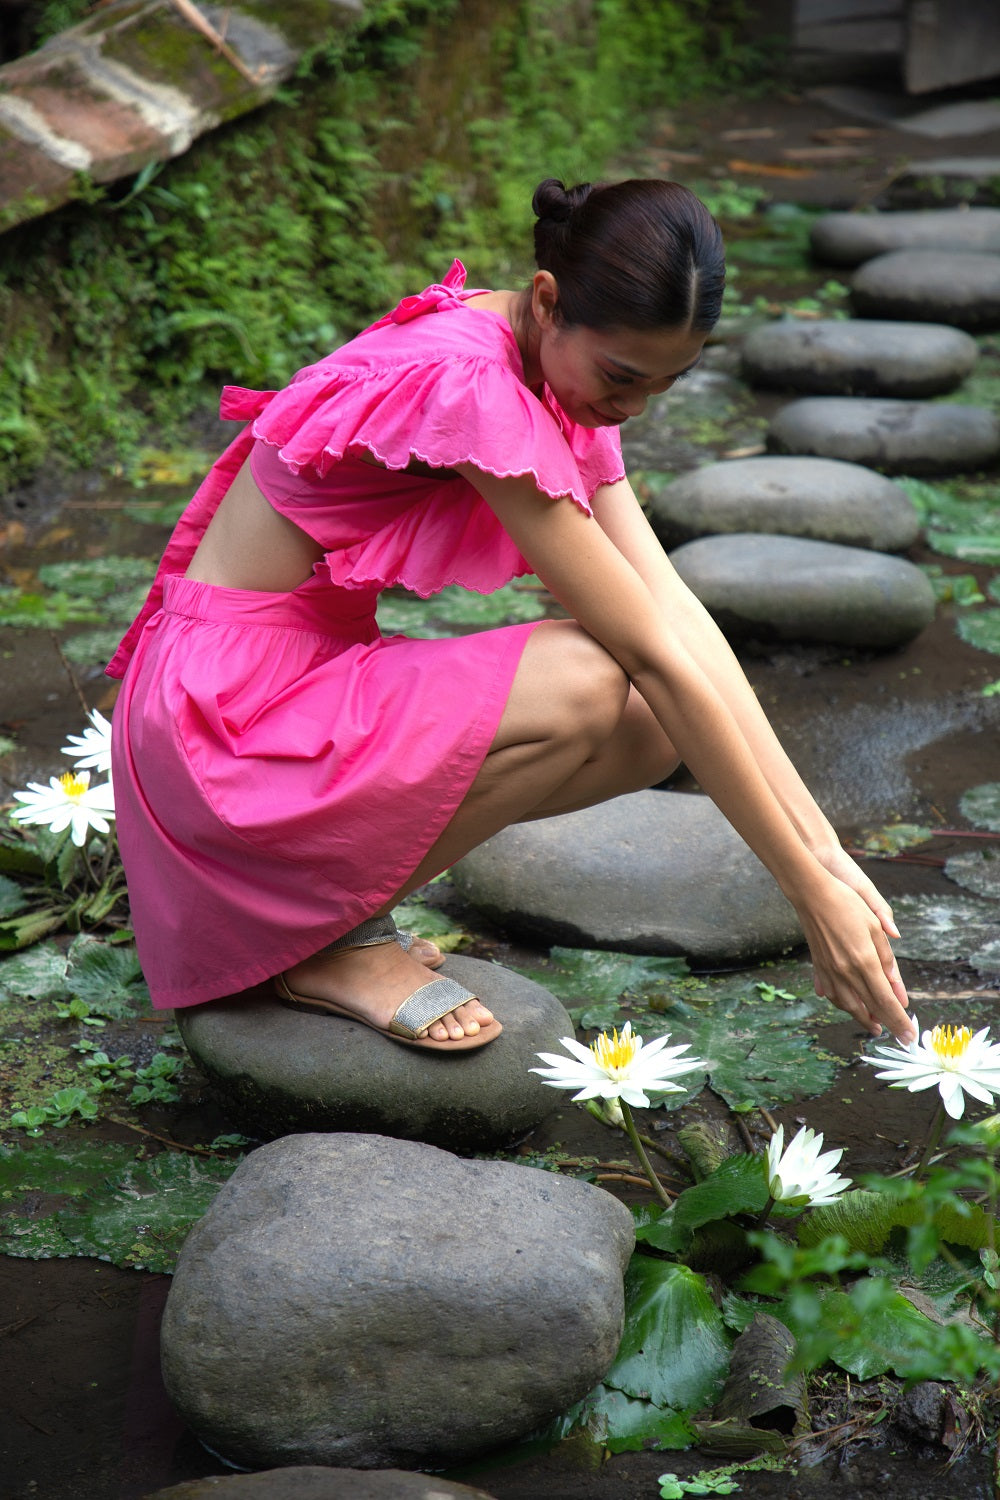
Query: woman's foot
[(373, 982)]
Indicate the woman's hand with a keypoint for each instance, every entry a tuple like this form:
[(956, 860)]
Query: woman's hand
[(833, 858), (853, 963)]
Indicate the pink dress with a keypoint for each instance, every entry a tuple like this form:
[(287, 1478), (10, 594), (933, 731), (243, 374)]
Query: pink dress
[(280, 767)]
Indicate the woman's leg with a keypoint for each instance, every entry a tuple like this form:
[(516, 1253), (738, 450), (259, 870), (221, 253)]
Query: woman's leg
[(573, 733)]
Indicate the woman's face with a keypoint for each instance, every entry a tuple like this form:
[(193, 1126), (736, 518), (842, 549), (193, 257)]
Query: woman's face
[(603, 376)]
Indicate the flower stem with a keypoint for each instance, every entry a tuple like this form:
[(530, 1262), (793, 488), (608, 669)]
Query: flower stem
[(765, 1213), (933, 1137), (640, 1152)]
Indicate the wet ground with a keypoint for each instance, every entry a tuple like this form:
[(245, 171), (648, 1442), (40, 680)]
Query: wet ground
[(902, 734)]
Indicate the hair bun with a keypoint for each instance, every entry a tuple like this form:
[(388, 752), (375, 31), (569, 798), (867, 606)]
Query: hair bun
[(554, 201)]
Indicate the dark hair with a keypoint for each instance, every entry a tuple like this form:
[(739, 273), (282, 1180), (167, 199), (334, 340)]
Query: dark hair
[(640, 254)]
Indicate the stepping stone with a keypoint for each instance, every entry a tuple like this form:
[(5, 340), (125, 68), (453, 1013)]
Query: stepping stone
[(790, 589), (356, 1301), (278, 1070), (851, 357), (322, 1484), (899, 437), (634, 874), (847, 239), (947, 180), (820, 498), (931, 286)]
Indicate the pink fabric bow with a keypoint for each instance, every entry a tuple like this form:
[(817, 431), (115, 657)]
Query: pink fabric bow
[(426, 301)]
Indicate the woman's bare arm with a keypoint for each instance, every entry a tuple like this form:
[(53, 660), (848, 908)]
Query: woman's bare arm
[(589, 574)]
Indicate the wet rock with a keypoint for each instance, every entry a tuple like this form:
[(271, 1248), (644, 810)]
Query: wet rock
[(653, 872), (322, 1484), (278, 1070), (859, 357), (922, 1411), (899, 437), (930, 286), (358, 1301), (792, 589), (812, 497), (847, 239), (943, 181)]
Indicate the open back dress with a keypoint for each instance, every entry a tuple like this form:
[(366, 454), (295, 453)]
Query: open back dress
[(280, 767)]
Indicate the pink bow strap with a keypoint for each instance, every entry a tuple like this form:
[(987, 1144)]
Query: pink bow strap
[(426, 301), (237, 404)]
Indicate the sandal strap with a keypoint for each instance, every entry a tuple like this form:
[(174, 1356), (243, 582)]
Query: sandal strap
[(367, 934), (427, 1005)]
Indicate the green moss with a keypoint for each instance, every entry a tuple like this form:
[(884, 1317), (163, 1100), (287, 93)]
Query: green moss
[(415, 136)]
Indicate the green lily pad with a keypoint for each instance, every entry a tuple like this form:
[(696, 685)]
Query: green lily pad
[(430, 619), (130, 1212), (943, 929), (594, 981), (12, 897), (674, 1351), (738, 1185), (981, 805), (757, 1053), (107, 977), (978, 871), (896, 836), (981, 630), (428, 922), (969, 546), (40, 973)]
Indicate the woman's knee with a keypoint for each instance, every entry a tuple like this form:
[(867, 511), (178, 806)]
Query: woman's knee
[(567, 682)]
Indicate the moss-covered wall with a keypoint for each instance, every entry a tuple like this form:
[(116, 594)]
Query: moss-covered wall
[(416, 137)]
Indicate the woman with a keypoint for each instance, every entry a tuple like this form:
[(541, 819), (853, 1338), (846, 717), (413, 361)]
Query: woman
[(284, 775)]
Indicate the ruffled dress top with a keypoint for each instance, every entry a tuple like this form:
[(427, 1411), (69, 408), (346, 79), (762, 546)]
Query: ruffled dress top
[(280, 767)]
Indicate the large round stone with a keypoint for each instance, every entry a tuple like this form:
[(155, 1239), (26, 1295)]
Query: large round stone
[(278, 1070), (790, 589), (899, 437), (847, 239), (943, 181), (311, 1483), (356, 1301), (859, 357), (812, 497), (653, 872), (932, 286)]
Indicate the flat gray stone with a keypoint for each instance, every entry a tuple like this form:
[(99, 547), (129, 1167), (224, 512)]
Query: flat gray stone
[(946, 180), (322, 1484), (859, 357), (278, 1070), (932, 286), (847, 239), (787, 588), (652, 872), (820, 498), (899, 437), (356, 1301)]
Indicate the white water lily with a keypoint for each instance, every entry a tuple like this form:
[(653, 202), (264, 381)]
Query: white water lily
[(69, 801), (802, 1171), (92, 748), (949, 1058), (618, 1067)]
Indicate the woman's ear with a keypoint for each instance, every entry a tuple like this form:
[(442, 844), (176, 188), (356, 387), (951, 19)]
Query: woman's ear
[(544, 298)]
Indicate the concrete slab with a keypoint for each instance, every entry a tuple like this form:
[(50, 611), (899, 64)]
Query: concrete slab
[(941, 122)]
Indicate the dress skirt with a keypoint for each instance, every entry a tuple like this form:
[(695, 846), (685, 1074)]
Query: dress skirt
[(281, 769)]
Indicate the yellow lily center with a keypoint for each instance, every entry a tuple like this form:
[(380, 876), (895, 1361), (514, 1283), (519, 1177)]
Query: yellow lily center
[(950, 1042), (75, 783), (615, 1052)]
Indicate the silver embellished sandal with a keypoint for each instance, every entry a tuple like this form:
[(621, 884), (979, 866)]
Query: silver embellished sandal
[(419, 1011)]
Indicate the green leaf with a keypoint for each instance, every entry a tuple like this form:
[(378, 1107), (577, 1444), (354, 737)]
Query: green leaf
[(39, 973), (866, 1220), (896, 836), (429, 922), (596, 977), (978, 871), (981, 805), (981, 629), (738, 1186), (430, 619), (624, 1425), (941, 929), (970, 546), (107, 977), (12, 897), (674, 1351)]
